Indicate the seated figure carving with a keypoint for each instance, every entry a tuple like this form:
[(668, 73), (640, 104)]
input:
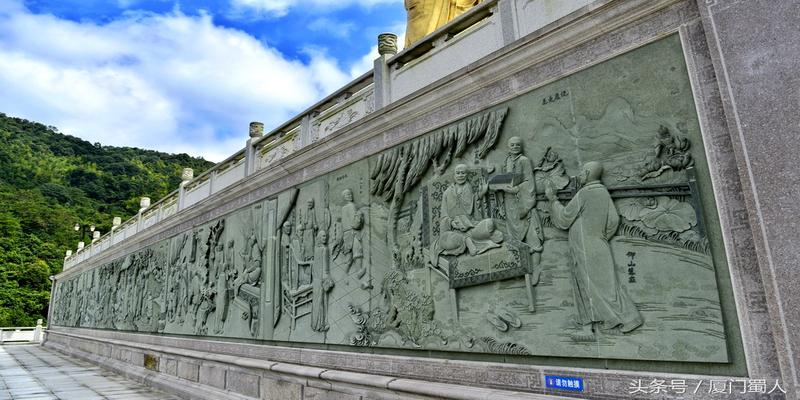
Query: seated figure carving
[(462, 230)]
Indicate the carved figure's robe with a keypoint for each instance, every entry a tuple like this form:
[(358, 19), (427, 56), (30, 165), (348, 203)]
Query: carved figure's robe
[(592, 220), (308, 231), (351, 235), (320, 284), (458, 209), (523, 219)]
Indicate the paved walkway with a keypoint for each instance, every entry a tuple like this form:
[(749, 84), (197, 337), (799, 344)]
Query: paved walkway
[(35, 372)]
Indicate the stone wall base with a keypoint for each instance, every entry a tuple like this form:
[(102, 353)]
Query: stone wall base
[(201, 375)]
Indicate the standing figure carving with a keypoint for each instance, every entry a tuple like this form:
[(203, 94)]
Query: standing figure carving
[(321, 284), (308, 230), (462, 230), (592, 219), (351, 243), (224, 285), (524, 223), (252, 255)]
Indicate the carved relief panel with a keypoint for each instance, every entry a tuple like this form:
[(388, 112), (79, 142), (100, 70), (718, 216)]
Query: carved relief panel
[(576, 220)]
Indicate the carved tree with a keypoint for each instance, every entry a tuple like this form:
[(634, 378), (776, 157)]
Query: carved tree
[(399, 169)]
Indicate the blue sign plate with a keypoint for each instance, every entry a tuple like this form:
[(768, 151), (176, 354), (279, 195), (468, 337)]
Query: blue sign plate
[(564, 383)]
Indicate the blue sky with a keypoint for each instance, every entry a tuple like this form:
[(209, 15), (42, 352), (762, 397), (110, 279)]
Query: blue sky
[(181, 76)]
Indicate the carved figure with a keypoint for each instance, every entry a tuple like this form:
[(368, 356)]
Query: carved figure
[(252, 270), (551, 169), (287, 257), (524, 223), (669, 152), (425, 16), (321, 284), (351, 243), (308, 230), (224, 286), (592, 220), (459, 230)]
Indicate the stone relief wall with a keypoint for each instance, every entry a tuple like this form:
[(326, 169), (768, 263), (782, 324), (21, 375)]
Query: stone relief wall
[(567, 222)]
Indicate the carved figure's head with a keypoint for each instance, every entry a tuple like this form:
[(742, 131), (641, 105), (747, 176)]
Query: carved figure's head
[(460, 174), (551, 156), (310, 203), (347, 195), (591, 172), (287, 227), (664, 135), (515, 145)]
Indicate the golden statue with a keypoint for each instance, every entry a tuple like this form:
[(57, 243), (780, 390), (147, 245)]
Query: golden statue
[(425, 16)]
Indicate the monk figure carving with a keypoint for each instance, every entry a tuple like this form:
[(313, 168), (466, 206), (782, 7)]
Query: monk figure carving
[(462, 230), (592, 220)]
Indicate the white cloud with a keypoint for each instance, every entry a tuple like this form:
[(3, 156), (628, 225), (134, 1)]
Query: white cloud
[(277, 8), (332, 27), (170, 82)]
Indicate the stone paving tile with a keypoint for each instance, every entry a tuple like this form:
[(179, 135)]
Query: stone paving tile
[(30, 372)]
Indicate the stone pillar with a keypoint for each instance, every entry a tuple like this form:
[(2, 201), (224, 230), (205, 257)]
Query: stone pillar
[(50, 303), (256, 132), (754, 47), (95, 236), (37, 332), (305, 129), (387, 48), (144, 203), (81, 245), (508, 20), (115, 223), (186, 176)]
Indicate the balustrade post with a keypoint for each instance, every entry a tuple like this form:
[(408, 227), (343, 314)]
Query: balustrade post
[(144, 203), (387, 48), (115, 223), (507, 18), (256, 131), (186, 176)]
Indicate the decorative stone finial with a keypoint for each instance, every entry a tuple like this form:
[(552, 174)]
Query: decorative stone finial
[(256, 129), (144, 202), (117, 221), (81, 245), (387, 43), (69, 254), (188, 173), (95, 236)]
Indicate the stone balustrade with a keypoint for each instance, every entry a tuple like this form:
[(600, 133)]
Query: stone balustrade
[(481, 31), (31, 334)]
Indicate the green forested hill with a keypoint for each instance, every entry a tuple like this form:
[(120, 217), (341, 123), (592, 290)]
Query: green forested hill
[(49, 182)]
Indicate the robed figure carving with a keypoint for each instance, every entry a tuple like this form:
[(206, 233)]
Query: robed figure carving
[(321, 283), (592, 220), (462, 230), (522, 217)]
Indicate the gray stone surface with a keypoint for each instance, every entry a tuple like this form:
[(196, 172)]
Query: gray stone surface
[(212, 375), (754, 49), (35, 372), (311, 393), (188, 370), (272, 389), (243, 383)]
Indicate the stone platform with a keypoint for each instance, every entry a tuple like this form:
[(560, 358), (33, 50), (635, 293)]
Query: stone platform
[(35, 372)]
